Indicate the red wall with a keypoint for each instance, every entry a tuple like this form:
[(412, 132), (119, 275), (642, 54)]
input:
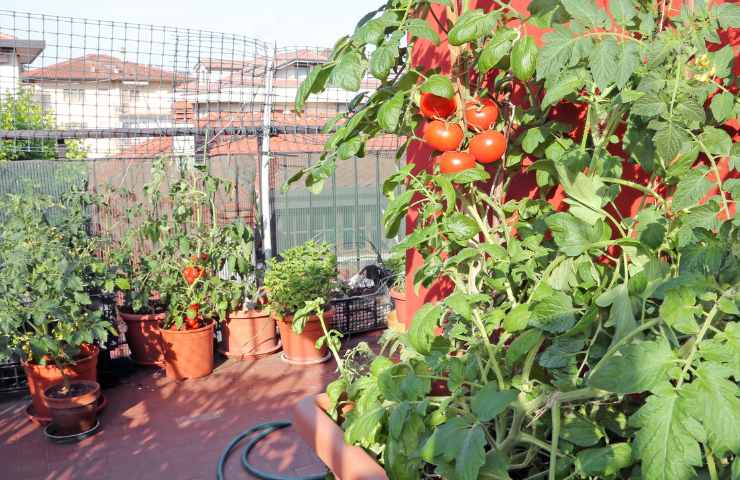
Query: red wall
[(427, 55)]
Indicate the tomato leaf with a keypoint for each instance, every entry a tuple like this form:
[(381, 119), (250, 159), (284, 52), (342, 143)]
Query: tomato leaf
[(604, 462), (555, 313), (438, 85), (419, 28), (489, 402), (496, 49), (390, 112), (638, 368), (524, 58), (472, 25), (349, 71), (421, 333), (603, 62)]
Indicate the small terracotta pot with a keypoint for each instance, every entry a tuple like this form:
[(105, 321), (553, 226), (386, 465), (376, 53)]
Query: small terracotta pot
[(317, 429), (300, 348), (400, 304), (74, 413), (41, 377), (143, 337), (249, 334), (188, 353)]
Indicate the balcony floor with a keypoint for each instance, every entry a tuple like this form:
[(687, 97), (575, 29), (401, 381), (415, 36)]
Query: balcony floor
[(155, 428)]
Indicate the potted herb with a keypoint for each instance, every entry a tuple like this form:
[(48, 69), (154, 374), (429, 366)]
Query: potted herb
[(45, 309), (303, 275), (248, 330), (591, 326)]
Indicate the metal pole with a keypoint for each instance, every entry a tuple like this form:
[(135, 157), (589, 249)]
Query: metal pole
[(265, 203)]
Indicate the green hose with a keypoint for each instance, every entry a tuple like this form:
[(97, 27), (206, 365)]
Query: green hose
[(265, 429)]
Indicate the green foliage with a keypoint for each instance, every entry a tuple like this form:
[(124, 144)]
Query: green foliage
[(49, 271), (21, 112), (584, 342), (301, 274)]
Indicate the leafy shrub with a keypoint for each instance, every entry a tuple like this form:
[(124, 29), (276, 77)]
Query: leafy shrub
[(579, 340), (302, 274), (48, 270)]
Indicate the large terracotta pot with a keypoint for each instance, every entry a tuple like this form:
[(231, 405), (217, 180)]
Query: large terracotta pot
[(74, 412), (188, 353), (400, 304), (249, 334), (143, 337), (41, 377), (319, 431), (300, 349)]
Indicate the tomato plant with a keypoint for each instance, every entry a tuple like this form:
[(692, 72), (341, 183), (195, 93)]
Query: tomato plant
[(589, 335), (481, 114), (443, 136), (488, 146), (454, 162), (436, 107)]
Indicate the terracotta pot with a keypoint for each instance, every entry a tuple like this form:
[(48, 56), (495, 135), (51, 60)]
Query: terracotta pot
[(346, 462), (400, 304), (75, 412), (188, 353), (249, 334), (143, 337), (41, 377), (301, 348)]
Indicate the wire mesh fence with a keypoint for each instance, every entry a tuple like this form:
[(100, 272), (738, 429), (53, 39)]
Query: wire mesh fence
[(92, 104)]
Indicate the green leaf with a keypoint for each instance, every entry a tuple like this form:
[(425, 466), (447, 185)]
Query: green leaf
[(651, 227), (488, 402), (350, 148), (604, 462), (472, 25), (666, 442), (692, 188), (621, 315), (679, 309), (382, 61), (532, 138), (561, 352), (722, 105), (728, 15), (496, 49), (438, 85), (349, 71), (690, 112), (717, 141), (390, 112), (628, 61), (556, 53), (421, 334), (371, 32), (637, 368), (669, 140), (554, 313), (471, 175), (649, 106), (714, 400), (472, 454), (580, 431), (364, 428), (458, 303), (524, 58), (517, 318), (570, 82), (496, 467), (419, 28), (623, 12), (603, 62), (522, 345), (314, 83), (586, 12), (574, 236), (460, 227)]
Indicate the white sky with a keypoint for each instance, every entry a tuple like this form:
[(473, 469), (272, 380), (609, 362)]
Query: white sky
[(289, 22)]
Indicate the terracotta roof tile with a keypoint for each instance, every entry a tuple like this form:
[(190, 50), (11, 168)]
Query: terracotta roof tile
[(103, 67)]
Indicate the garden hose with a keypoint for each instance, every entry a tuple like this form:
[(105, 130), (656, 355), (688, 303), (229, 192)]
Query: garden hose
[(264, 430)]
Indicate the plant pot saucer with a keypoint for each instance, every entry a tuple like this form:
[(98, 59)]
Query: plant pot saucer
[(74, 438), (43, 421), (287, 360), (251, 356)]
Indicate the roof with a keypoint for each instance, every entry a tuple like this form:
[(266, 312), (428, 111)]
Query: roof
[(26, 50), (219, 64), (103, 67)]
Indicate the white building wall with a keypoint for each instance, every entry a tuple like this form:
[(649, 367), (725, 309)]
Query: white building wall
[(9, 73)]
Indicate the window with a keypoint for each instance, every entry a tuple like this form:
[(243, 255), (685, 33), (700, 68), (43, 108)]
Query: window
[(130, 96), (73, 95)]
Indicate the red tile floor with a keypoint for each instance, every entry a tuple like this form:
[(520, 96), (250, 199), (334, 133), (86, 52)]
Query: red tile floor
[(155, 428)]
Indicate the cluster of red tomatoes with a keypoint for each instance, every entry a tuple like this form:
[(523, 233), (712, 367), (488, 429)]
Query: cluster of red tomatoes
[(486, 146), (191, 273)]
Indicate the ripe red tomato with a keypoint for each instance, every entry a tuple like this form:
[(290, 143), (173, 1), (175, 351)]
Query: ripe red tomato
[(487, 147), (191, 274), (434, 106), (481, 115), (453, 162), (443, 136)]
